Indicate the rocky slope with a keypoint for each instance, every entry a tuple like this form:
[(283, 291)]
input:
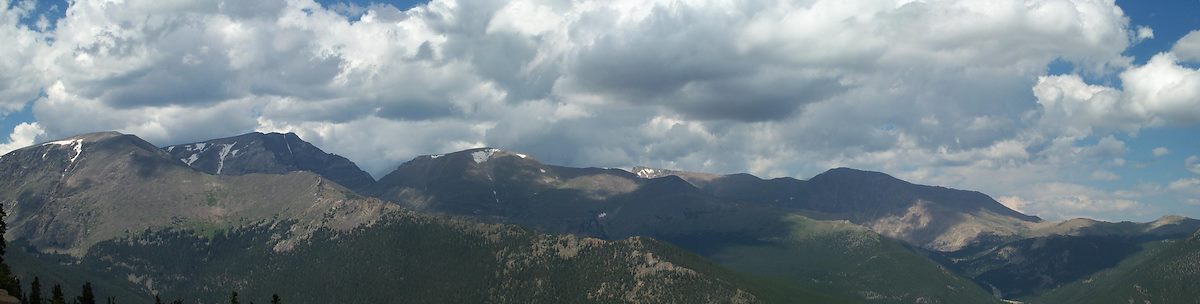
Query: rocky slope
[(272, 153)]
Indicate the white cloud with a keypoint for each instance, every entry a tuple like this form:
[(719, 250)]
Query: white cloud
[(1162, 91), (1157, 93), (23, 135), (1188, 47), (1185, 184), (1058, 201), (1160, 151), (1144, 33), (1105, 175), (19, 80), (1192, 163)]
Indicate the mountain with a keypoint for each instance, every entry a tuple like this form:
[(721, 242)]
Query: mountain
[(1167, 227), (272, 153), (837, 257), (115, 210), (935, 218), (67, 195), (1059, 253), (1166, 271)]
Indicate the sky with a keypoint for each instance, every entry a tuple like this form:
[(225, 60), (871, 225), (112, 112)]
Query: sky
[(1057, 108)]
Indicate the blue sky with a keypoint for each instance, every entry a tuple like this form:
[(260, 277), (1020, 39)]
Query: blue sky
[(1023, 101)]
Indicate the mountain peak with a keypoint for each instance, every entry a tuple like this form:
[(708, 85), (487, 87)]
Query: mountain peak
[(270, 153), (89, 137), (649, 173), (478, 155), (842, 174)]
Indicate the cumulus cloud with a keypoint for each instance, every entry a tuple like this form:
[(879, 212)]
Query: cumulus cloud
[(19, 80), (1157, 93), (1160, 151), (23, 135), (1188, 47)]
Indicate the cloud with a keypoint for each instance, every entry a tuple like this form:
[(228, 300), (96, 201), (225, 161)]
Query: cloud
[(1192, 163), (933, 91), (1059, 201), (19, 80), (23, 135), (1157, 93), (1188, 47), (1185, 185), (1105, 175), (1160, 151), (1144, 33)]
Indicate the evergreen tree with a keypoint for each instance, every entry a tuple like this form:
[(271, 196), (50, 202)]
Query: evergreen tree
[(56, 295), (35, 291), (233, 298), (157, 300), (275, 299), (87, 296), (19, 294), (7, 280)]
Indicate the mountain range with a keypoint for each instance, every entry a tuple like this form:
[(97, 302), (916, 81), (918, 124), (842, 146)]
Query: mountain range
[(252, 212)]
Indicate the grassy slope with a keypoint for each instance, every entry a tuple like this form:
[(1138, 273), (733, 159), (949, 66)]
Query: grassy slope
[(1163, 272), (850, 261)]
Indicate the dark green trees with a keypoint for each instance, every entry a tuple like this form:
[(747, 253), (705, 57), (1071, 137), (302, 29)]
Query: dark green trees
[(7, 280), (87, 296), (56, 295), (275, 299), (233, 298), (35, 292)]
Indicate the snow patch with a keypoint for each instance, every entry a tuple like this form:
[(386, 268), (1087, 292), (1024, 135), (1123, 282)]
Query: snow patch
[(225, 148), (484, 155), (602, 215), (77, 143), (521, 155), (197, 146), (170, 149), (436, 156), (644, 172), (191, 159), (78, 150), (542, 170), (63, 142)]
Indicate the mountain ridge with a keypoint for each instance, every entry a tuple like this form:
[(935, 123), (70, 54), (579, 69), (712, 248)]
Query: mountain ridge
[(123, 211), (271, 153)]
